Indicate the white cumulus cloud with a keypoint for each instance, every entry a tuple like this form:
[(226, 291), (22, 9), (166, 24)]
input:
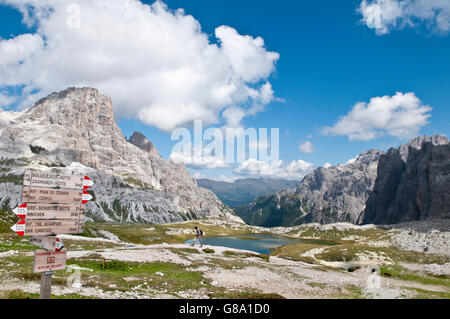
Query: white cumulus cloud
[(156, 64), (327, 165), (306, 148), (401, 115), (385, 15), (277, 169)]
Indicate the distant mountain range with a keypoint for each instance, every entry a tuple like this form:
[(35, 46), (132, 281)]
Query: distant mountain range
[(245, 190), (411, 182)]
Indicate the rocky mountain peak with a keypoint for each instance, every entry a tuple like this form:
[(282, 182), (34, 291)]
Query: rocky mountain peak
[(368, 157), (141, 141), (74, 104), (418, 142)]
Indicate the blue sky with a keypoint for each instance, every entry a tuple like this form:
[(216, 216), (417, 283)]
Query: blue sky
[(329, 61)]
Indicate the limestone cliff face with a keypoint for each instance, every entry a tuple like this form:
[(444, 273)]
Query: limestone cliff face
[(415, 189), (75, 128)]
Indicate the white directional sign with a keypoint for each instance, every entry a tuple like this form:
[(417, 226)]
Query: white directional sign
[(49, 211), (49, 195), (52, 195), (41, 227), (49, 243), (56, 180), (48, 261)]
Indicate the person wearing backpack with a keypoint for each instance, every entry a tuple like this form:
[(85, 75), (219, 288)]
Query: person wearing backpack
[(198, 236)]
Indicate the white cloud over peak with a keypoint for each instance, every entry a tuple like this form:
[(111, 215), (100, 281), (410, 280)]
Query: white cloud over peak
[(156, 64), (385, 15), (306, 148), (327, 165), (401, 115), (277, 169), (197, 158)]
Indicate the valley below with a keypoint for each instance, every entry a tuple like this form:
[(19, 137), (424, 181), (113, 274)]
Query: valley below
[(341, 260)]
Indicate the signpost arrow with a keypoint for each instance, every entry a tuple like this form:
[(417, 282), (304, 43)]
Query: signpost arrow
[(49, 243), (86, 197), (19, 228), (21, 211), (50, 211), (53, 180), (48, 227), (48, 195), (87, 182)]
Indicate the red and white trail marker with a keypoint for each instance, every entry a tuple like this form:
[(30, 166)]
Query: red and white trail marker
[(19, 228), (86, 197), (21, 211), (87, 182)]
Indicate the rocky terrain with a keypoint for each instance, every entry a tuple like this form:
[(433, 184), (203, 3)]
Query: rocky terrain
[(75, 130), (333, 261), (243, 191), (408, 183)]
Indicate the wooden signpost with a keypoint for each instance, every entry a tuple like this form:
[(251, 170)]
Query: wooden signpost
[(49, 260), (50, 243), (53, 203), (48, 195), (40, 227), (50, 211)]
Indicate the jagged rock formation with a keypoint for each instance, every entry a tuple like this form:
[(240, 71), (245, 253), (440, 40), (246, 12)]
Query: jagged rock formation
[(243, 191), (327, 195), (141, 141), (75, 128), (415, 189), (408, 183)]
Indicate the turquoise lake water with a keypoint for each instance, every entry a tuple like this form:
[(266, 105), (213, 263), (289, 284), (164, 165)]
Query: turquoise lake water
[(262, 244)]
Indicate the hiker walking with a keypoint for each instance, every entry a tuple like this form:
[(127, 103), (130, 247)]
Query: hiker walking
[(198, 236)]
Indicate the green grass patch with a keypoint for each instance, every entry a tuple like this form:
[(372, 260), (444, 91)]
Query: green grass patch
[(401, 273), (349, 252), (230, 253), (11, 178), (208, 250), (111, 272), (294, 252), (427, 294), (336, 234), (14, 242), (18, 294)]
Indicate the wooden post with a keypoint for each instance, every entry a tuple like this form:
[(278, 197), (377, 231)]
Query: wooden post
[(46, 285)]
